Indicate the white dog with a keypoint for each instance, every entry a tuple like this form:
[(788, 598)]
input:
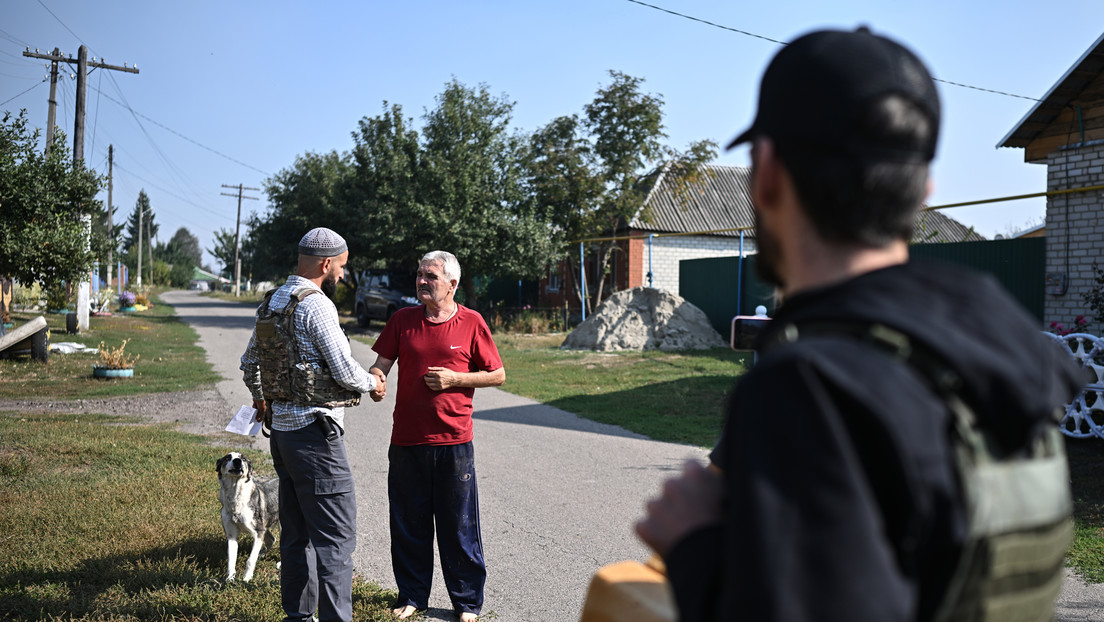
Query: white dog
[(248, 506)]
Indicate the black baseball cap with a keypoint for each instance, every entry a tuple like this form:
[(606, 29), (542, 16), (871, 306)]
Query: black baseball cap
[(815, 89)]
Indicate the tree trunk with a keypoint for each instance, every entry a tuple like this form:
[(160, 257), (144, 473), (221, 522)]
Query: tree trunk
[(605, 251), (471, 301)]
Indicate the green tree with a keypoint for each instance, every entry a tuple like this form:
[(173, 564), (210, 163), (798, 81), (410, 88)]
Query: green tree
[(588, 175), (223, 251), (183, 246), (473, 178), (385, 192), (308, 194), (42, 197), (149, 224)]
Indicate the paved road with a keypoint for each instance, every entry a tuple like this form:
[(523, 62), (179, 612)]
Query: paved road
[(558, 493)]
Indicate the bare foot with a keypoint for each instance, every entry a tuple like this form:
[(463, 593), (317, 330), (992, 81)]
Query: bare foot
[(468, 616), (403, 613)]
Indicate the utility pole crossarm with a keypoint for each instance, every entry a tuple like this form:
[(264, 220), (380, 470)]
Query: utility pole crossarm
[(68, 59)]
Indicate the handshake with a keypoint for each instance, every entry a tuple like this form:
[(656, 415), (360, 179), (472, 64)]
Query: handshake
[(377, 394)]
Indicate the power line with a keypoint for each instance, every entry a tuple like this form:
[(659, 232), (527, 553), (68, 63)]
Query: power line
[(60, 22), (752, 34), (709, 23), (23, 93), (195, 142)]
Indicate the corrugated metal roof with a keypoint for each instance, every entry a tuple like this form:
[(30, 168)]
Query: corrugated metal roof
[(723, 201), (1067, 89), (935, 227)]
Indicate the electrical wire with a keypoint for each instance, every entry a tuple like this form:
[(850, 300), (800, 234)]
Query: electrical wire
[(195, 142), (752, 34), (21, 94)]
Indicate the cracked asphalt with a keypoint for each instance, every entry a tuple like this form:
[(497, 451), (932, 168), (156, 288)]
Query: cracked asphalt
[(558, 494)]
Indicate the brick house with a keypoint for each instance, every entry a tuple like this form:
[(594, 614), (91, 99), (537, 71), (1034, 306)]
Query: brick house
[(1065, 131), (713, 218)]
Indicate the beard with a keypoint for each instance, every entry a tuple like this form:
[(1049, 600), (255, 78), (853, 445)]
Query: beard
[(329, 286), (766, 263)]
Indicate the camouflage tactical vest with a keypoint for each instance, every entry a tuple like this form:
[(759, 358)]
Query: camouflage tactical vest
[(1017, 505), (285, 375)]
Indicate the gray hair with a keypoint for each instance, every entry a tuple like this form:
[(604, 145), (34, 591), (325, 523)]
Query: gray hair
[(449, 264)]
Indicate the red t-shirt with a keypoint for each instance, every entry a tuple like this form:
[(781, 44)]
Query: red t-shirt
[(423, 416)]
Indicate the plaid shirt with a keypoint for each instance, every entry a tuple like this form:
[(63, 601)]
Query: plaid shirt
[(320, 339)]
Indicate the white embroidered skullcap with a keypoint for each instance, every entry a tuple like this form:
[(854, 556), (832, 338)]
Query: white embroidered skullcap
[(322, 242)]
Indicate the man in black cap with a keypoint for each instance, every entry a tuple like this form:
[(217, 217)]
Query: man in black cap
[(835, 491), (301, 372)]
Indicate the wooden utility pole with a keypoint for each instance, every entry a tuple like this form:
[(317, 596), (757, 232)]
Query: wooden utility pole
[(78, 137), (110, 213), (237, 234), (140, 210)]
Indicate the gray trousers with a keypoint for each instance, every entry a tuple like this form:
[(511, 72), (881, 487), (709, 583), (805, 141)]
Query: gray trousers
[(317, 524)]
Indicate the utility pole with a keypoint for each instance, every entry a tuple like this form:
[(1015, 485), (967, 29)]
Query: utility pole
[(52, 108), (110, 212), (140, 210), (78, 138), (237, 234)]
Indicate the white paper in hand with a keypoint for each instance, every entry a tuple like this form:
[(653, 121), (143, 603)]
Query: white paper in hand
[(244, 422)]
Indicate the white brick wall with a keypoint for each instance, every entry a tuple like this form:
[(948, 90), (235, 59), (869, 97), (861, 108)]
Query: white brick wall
[(668, 251), (1074, 230)]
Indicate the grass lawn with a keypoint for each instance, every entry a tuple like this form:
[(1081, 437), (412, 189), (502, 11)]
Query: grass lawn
[(169, 359), (677, 397), (102, 521)]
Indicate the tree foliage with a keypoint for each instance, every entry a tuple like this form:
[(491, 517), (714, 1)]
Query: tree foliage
[(306, 195), (588, 174), (41, 199)]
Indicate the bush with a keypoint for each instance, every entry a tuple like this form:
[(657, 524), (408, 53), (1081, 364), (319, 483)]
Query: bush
[(57, 296)]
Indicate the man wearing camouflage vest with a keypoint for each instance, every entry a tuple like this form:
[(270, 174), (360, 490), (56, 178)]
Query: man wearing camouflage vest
[(300, 370)]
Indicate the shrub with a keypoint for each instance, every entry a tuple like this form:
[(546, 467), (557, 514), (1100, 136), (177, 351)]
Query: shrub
[(57, 296)]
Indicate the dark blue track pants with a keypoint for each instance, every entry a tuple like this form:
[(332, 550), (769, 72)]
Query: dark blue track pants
[(428, 484), (317, 524)]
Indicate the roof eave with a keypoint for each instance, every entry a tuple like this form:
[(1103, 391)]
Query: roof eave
[(1092, 48)]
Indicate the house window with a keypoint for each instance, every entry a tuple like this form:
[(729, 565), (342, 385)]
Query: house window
[(554, 281)]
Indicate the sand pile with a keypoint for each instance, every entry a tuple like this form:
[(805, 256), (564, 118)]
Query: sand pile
[(643, 318)]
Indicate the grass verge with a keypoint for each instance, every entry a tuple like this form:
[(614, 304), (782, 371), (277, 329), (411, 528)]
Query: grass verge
[(670, 396), (169, 359), (101, 521)]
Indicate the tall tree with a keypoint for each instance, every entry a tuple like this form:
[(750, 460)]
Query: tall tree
[(588, 174), (223, 251), (308, 194), (183, 246), (385, 191), (41, 199), (149, 223), (473, 180)]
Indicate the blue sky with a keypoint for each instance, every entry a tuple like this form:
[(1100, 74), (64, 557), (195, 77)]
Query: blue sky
[(232, 92)]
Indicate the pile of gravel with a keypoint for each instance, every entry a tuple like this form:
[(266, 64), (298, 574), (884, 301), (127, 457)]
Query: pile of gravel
[(643, 318)]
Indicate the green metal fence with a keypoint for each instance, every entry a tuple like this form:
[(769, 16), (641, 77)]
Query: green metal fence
[(724, 286)]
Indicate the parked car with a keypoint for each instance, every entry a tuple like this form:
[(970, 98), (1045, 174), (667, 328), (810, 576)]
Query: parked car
[(380, 294)]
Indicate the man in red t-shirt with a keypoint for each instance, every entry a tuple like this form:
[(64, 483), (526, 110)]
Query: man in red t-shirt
[(445, 352)]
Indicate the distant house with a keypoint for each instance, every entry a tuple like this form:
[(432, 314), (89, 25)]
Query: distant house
[(206, 281), (1065, 131), (713, 218)]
